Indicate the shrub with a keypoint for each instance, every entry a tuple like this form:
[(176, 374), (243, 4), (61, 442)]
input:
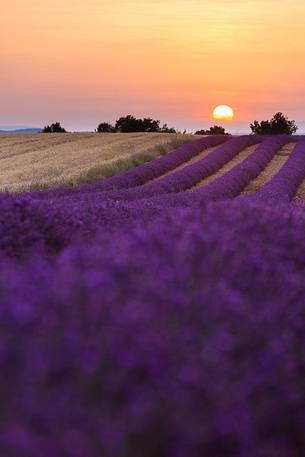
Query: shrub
[(216, 130), (105, 127), (54, 128)]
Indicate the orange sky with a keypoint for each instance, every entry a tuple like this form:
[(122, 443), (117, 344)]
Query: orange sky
[(81, 62)]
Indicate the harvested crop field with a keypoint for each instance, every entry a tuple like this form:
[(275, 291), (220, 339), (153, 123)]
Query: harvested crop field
[(45, 160)]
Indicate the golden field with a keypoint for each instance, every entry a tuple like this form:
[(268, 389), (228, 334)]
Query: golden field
[(50, 160)]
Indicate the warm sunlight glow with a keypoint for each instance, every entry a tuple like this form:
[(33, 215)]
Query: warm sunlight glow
[(223, 113), (82, 63)]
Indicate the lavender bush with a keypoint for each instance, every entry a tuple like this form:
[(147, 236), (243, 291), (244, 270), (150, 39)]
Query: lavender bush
[(155, 327)]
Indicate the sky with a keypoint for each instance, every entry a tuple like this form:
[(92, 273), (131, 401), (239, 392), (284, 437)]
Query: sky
[(82, 63)]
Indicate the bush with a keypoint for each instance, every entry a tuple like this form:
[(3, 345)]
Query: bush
[(216, 130), (279, 124), (105, 127), (54, 128)]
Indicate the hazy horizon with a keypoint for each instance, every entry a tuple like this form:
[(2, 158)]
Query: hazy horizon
[(232, 127)]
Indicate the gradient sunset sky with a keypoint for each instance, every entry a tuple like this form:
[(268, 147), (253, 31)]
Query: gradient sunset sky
[(82, 62)]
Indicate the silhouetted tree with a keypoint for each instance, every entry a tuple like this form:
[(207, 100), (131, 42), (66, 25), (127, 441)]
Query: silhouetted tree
[(149, 125), (277, 125), (54, 128), (216, 130), (129, 123), (105, 127)]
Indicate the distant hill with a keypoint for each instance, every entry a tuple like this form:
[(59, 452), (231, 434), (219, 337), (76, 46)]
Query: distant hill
[(26, 130)]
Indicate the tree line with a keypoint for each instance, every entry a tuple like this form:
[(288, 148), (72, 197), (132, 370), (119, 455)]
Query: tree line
[(129, 124), (278, 124)]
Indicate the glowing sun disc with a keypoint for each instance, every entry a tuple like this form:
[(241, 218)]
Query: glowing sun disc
[(223, 113)]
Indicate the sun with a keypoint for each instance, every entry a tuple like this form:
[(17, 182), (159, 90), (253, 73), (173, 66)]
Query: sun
[(223, 113)]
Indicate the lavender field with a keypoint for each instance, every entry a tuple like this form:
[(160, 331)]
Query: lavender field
[(159, 312)]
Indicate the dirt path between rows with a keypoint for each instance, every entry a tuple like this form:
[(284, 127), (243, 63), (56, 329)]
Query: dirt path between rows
[(271, 169), (227, 167)]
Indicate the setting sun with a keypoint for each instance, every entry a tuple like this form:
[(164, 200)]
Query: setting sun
[(223, 112)]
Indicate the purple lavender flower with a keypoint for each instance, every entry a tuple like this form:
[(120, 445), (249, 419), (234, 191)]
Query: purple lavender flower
[(169, 326)]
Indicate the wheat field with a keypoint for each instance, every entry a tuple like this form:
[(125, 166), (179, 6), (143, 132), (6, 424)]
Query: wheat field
[(48, 160)]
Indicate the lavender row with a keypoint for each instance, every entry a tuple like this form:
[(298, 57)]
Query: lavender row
[(234, 181), (89, 334), (143, 173), (53, 223), (25, 222), (231, 183), (190, 175), (285, 183), (150, 170)]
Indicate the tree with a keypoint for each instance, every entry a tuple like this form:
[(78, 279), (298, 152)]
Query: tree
[(105, 127), (279, 124), (149, 125), (129, 123), (54, 128), (216, 130)]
